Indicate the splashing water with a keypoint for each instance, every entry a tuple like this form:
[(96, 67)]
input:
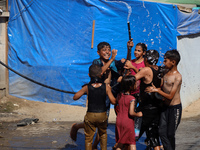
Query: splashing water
[(127, 5), (143, 5)]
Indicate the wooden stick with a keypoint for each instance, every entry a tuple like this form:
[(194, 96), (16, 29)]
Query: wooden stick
[(6, 60), (93, 25), (6, 5)]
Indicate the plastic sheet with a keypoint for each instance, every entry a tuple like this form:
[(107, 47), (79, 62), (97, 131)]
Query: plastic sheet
[(50, 41), (188, 23)]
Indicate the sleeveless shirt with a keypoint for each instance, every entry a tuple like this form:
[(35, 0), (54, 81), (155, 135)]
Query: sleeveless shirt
[(148, 100), (96, 98)]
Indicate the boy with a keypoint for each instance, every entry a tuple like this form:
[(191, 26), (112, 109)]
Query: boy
[(96, 116), (110, 68), (149, 105), (171, 114)]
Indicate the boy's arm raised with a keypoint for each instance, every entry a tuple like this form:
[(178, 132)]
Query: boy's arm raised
[(110, 95), (80, 93)]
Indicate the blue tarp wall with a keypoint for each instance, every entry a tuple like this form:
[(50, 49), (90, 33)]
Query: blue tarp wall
[(50, 41)]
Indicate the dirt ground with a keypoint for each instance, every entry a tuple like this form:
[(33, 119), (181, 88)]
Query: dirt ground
[(55, 120), (14, 108)]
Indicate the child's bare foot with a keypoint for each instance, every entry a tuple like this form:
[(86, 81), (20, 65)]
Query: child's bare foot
[(73, 132)]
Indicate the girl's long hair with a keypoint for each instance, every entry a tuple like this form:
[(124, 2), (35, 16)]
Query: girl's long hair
[(127, 83)]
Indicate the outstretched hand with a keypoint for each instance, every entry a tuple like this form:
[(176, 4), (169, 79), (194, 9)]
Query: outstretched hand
[(151, 89)]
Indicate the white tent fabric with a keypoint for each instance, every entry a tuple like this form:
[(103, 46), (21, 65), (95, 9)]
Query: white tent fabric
[(189, 67)]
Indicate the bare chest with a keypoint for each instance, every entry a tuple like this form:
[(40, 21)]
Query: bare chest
[(168, 82)]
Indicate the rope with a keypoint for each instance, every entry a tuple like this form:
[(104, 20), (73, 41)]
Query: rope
[(50, 87), (35, 81)]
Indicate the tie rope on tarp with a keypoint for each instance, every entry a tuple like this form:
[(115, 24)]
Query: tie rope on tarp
[(50, 87)]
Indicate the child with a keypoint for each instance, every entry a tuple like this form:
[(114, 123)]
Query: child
[(171, 113), (110, 68), (149, 105), (137, 64), (134, 66), (125, 133), (96, 116)]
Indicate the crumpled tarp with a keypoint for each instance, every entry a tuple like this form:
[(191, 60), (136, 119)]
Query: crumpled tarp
[(50, 41), (188, 23)]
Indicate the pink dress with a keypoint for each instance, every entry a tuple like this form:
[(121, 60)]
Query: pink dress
[(125, 132), (138, 66)]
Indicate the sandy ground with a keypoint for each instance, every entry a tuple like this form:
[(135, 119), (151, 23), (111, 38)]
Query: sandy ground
[(58, 112), (45, 112), (55, 120)]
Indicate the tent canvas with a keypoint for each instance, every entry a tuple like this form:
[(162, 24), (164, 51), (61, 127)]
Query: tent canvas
[(50, 41)]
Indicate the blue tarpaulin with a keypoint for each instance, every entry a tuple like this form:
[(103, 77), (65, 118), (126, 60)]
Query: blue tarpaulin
[(50, 41), (188, 23)]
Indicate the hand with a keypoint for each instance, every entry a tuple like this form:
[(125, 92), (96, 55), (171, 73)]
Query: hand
[(150, 89), (114, 53), (119, 79), (130, 43), (139, 114), (123, 60), (128, 65)]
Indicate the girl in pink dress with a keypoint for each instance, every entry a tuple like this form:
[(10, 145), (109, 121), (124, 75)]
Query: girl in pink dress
[(137, 63), (125, 133)]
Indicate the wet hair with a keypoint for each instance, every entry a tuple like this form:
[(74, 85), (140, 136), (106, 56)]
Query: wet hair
[(102, 44), (173, 55), (144, 47), (152, 57), (127, 83), (95, 70)]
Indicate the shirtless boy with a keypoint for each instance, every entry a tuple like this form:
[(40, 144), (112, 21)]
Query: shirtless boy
[(171, 113)]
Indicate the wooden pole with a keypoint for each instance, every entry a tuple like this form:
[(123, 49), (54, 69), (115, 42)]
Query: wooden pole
[(6, 5), (93, 25), (6, 61)]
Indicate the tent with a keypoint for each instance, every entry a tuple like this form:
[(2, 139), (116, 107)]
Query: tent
[(51, 41)]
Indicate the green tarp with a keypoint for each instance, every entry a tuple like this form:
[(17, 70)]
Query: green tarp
[(196, 2)]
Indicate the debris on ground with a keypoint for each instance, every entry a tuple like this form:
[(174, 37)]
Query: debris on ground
[(27, 121)]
